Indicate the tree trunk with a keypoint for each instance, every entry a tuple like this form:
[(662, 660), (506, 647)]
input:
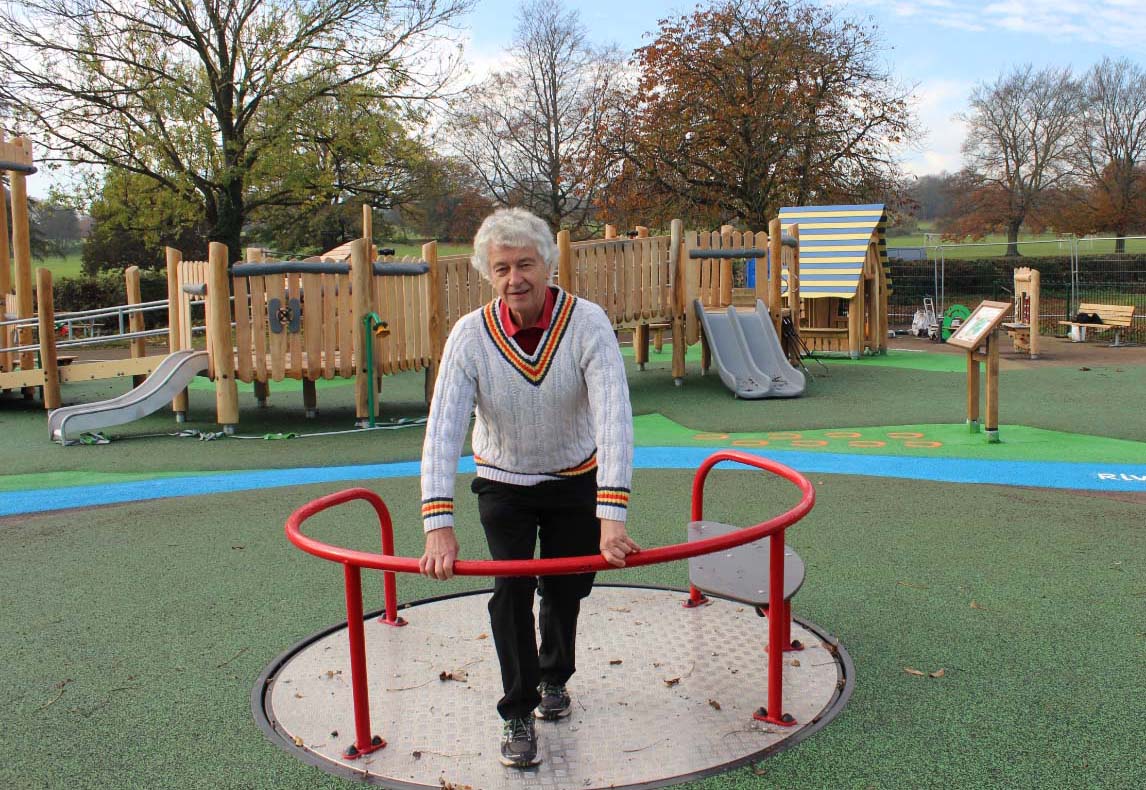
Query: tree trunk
[(1013, 238), (228, 225), (1120, 240)]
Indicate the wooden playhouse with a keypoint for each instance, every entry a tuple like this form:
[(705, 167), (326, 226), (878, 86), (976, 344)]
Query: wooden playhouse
[(842, 276)]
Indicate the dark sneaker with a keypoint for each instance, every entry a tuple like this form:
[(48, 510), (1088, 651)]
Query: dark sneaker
[(519, 743), (555, 702)]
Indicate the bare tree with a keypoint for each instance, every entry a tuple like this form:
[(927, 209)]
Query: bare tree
[(1111, 152), (532, 130), (196, 95), (1020, 132)]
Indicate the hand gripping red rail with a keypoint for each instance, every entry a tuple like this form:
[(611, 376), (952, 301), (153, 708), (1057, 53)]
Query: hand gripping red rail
[(354, 561)]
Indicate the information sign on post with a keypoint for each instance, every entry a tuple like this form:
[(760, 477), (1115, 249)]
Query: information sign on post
[(980, 329), (984, 320)]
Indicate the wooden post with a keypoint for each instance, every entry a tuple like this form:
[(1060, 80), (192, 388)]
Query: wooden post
[(360, 276), (368, 230), (135, 320), (973, 391), (641, 345), (992, 420), (5, 254), (856, 321), (761, 286), (725, 268), (610, 232), (565, 260), (174, 321), (47, 326), (642, 232), (435, 329), (795, 308), (5, 279), (219, 337), (775, 251), (22, 255), (680, 286)]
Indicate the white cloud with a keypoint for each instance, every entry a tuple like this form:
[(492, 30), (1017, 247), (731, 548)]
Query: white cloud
[(937, 103), (1119, 23)]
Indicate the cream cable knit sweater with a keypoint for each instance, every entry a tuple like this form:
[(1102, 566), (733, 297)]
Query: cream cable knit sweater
[(559, 412)]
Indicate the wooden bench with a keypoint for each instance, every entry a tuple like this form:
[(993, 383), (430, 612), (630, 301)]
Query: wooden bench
[(1114, 316)]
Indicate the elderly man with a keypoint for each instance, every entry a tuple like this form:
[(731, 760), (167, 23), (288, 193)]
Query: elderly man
[(553, 445)]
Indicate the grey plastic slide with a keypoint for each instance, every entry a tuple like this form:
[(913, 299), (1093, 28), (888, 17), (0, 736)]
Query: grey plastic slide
[(170, 378), (748, 355)]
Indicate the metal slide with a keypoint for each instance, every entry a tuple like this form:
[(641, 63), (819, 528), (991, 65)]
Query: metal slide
[(748, 355), (169, 378)]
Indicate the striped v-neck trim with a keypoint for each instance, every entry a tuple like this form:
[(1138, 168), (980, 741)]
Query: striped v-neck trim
[(532, 367)]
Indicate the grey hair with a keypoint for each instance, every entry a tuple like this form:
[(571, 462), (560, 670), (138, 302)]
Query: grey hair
[(513, 227)]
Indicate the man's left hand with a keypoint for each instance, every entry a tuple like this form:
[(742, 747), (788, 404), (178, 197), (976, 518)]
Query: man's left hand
[(616, 543)]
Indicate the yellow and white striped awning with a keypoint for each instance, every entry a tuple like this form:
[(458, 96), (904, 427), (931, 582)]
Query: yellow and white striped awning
[(833, 244)]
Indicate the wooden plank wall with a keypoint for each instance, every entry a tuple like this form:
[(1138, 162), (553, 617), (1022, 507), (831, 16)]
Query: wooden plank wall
[(462, 289), (322, 348), (190, 273), (401, 302), (629, 278)]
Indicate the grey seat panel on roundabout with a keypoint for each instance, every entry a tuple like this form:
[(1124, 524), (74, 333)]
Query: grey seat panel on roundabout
[(740, 573)]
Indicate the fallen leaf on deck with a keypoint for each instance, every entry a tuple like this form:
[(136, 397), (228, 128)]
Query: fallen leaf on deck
[(459, 675), (297, 741), (715, 705), (913, 671), (795, 662), (937, 673), (670, 682), (613, 662)]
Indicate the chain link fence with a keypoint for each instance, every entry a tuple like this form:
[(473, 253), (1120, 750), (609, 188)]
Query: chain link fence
[(1070, 274)]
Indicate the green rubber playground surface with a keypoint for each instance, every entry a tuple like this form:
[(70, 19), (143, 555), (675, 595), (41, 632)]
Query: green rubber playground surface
[(134, 633)]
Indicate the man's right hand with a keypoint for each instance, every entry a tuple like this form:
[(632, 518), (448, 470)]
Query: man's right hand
[(437, 562)]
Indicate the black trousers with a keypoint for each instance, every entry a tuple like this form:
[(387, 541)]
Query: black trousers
[(562, 514)]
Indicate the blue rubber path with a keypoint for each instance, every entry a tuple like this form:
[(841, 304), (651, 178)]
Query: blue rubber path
[(1041, 474)]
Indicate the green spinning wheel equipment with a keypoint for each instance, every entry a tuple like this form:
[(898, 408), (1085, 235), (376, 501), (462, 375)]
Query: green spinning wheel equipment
[(953, 318)]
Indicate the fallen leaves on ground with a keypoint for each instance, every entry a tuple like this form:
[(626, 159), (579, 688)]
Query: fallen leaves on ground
[(670, 682), (459, 675), (920, 674), (979, 606), (715, 705), (615, 661)]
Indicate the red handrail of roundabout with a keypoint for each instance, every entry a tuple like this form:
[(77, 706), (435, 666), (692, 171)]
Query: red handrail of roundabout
[(354, 561)]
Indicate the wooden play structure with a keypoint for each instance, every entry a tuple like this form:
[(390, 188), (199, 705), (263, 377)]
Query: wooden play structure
[(266, 321), (1023, 328), (29, 357), (841, 272)]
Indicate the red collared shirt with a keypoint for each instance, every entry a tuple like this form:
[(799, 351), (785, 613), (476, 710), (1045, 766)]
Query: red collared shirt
[(528, 337)]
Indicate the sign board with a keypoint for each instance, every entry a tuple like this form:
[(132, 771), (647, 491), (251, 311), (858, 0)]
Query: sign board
[(984, 320)]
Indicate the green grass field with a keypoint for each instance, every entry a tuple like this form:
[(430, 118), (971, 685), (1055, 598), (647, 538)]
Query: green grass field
[(69, 265), (995, 244)]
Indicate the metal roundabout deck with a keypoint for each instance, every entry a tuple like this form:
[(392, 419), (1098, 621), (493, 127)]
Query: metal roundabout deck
[(662, 694)]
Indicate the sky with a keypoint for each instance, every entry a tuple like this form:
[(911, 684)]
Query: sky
[(941, 47)]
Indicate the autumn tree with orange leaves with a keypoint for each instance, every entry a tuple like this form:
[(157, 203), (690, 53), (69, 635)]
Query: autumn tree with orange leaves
[(749, 105)]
